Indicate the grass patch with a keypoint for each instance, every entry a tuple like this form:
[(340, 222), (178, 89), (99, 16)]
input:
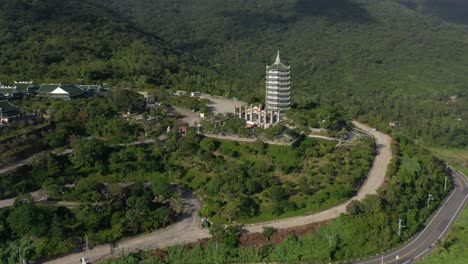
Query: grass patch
[(458, 158)]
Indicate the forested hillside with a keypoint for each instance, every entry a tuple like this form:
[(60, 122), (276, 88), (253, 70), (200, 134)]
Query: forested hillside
[(70, 41), (383, 61), (451, 10)]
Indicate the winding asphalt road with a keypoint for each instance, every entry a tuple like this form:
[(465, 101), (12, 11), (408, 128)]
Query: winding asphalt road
[(188, 229), (436, 227)]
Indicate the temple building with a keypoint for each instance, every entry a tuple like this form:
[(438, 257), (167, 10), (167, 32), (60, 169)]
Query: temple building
[(278, 86), (277, 98)]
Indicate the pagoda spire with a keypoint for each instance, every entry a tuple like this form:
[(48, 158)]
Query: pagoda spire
[(278, 60)]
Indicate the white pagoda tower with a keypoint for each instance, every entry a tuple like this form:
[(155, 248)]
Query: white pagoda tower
[(277, 86)]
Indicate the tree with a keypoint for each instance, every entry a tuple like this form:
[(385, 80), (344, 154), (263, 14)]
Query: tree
[(128, 100), (177, 204), (87, 153), (232, 210), (269, 231), (231, 236), (355, 207), (208, 144), (228, 236), (260, 146), (217, 232), (276, 193), (28, 219), (162, 188)]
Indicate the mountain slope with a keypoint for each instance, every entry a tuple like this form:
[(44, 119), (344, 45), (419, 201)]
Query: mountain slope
[(53, 40), (380, 60), (450, 10)]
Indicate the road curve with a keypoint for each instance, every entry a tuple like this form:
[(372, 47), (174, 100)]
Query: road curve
[(375, 179), (188, 229), (185, 231), (437, 227)]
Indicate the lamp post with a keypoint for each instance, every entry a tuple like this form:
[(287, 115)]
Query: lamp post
[(446, 171), (429, 198), (400, 225)]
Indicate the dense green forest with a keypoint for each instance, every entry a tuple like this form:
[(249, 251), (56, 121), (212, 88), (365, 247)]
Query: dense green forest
[(73, 41), (380, 60), (450, 10)]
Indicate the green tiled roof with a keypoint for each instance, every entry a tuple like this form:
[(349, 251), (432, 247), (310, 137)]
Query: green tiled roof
[(73, 91), (23, 87), (7, 91), (7, 109), (47, 88), (95, 88)]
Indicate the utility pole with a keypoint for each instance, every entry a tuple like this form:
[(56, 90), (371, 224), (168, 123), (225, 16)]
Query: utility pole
[(381, 262), (400, 226), (87, 248), (446, 171), (429, 198), (445, 183)]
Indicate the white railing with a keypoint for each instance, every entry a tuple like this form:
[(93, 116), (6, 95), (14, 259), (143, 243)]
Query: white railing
[(278, 72), (277, 88), (278, 94), (276, 82), (277, 78), (278, 100), (277, 103)]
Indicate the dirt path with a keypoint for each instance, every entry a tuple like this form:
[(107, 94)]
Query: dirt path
[(375, 179), (36, 196), (185, 231), (188, 229), (246, 140)]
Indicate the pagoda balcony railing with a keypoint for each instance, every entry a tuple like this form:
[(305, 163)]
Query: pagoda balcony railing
[(284, 85), (279, 100), (278, 72), (277, 78), (272, 103), (279, 82), (278, 88), (276, 93)]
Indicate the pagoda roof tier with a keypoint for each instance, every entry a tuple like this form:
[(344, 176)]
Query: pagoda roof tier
[(269, 93), (278, 66), (276, 72)]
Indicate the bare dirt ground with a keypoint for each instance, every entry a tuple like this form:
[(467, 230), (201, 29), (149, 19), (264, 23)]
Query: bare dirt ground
[(221, 105), (187, 116), (216, 105)]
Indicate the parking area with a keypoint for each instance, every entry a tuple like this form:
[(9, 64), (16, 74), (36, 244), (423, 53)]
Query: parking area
[(218, 104)]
